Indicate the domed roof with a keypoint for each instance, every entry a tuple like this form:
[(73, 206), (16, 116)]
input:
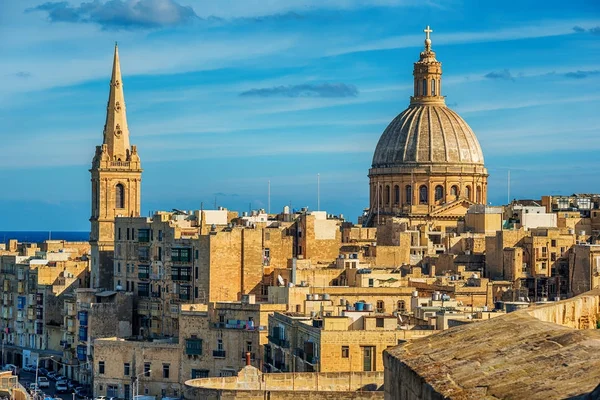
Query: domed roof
[(427, 134)]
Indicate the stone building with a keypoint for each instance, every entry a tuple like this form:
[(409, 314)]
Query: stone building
[(116, 174), (428, 164), (215, 339), (584, 268), (152, 367)]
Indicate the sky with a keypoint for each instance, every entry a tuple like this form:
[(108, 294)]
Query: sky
[(224, 96)]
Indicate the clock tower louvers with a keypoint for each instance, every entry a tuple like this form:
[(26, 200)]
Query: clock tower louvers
[(116, 182)]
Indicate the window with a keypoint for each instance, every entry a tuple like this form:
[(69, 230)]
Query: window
[(118, 268), (126, 369), (143, 253), (468, 192), (423, 195), (380, 306), (119, 196), (127, 392), (552, 256), (454, 191), (401, 305), (371, 282), (379, 322), (439, 192), (193, 347), (143, 271), (199, 373), (396, 194), (345, 351), (165, 371), (181, 254), (543, 265), (144, 235), (249, 346), (160, 235), (220, 344), (433, 87), (112, 391), (478, 194), (424, 88), (119, 233), (101, 367), (408, 191), (185, 292), (160, 254), (387, 195), (181, 273), (143, 289), (553, 242), (147, 369)]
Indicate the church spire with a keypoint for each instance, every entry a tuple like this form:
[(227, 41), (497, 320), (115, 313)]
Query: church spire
[(116, 132), (427, 76)]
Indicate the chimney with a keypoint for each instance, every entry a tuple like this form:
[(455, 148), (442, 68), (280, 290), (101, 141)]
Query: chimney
[(247, 358)]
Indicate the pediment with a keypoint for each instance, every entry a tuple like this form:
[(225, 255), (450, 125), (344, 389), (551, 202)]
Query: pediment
[(457, 208)]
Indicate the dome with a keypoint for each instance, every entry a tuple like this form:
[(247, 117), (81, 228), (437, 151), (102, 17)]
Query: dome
[(427, 134)]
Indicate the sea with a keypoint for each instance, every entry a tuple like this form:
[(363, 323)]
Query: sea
[(40, 236)]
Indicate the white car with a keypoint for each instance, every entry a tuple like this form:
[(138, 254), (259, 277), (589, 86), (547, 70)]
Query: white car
[(43, 382), (61, 387)]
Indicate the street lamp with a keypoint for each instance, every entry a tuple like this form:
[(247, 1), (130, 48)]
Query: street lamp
[(135, 387), (37, 365)]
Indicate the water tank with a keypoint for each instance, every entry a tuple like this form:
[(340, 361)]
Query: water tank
[(485, 308), (326, 296), (360, 306), (581, 233), (571, 231), (557, 298), (309, 297), (368, 307), (415, 294), (437, 296)]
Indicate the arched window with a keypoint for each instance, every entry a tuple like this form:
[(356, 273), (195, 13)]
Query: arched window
[(478, 194), (401, 305), (423, 195), (119, 196), (424, 87), (439, 192), (433, 87), (396, 194), (468, 192), (408, 190), (380, 200), (454, 191), (387, 195), (380, 306)]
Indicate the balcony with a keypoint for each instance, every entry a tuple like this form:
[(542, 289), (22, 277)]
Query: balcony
[(143, 275), (183, 278), (219, 353), (156, 313), (279, 342), (143, 293)]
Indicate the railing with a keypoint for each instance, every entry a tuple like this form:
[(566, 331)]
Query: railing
[(279, 342), (119, 163), (143, 275), (184, 278), (219, 353)]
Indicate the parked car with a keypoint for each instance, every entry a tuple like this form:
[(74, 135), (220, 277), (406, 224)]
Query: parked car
[(72, 384), (29, 368), (59, 378), (33, 387), (51, 375), (42, 371), (61, 387), (43, 382)]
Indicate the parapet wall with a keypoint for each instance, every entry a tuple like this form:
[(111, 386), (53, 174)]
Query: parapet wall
[(581, 312)]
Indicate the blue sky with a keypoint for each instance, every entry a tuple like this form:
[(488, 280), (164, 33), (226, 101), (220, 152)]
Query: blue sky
[(223, 96)]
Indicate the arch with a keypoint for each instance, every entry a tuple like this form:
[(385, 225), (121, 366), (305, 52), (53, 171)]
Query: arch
[(478, 194), (380, 200), (119, 196), (468, 192), (439, 192), (423, 198), (454, 191), (401, 305), (424, 89), (433, 87), (408, 191), (387, 195), (380, 307), (396, 194)]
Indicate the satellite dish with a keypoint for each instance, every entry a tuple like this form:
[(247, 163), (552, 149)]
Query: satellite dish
[(280, 280)]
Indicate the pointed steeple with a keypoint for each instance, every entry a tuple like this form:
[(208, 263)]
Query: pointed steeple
[(116, 132), (427, 76)]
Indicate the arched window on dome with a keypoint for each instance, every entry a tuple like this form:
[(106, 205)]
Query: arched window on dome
[(468, 192), (380, 196), (119, 196), (439, 193), (478, 194), (424, 87), (454, 191), (408, 191), (423, 195), (433, 87), (387, 195), (396, 194)]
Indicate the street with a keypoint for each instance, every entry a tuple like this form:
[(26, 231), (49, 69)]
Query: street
[(25, 378)]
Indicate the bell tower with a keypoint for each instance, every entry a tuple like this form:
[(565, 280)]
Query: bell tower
[(116, 182), (427, 75)]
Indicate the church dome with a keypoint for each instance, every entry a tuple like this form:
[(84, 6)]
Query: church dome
[(427, 134)]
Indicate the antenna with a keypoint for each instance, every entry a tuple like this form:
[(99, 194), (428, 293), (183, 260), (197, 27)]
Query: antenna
[(508, 187), (318, 192), (269, 197)]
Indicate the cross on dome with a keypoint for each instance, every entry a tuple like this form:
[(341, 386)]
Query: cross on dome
[(427, 31)]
